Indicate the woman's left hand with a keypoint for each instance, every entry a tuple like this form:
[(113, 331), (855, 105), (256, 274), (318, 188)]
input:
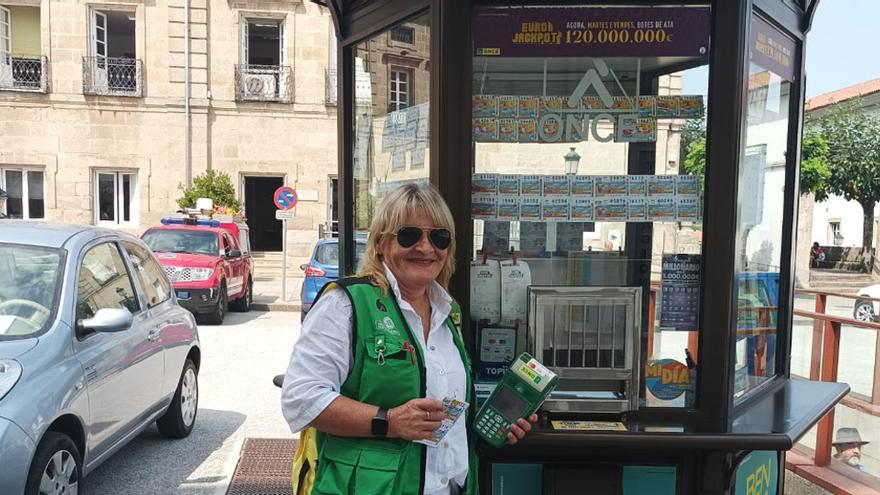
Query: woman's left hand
[(520, 428)]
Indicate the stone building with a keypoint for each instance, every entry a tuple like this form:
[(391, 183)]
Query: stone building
[(97, 128)]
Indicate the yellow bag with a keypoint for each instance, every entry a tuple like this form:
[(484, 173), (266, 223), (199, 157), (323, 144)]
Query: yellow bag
[(305, 462)]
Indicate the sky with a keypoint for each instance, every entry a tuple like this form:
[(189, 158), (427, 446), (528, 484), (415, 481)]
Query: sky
[(841, 50)]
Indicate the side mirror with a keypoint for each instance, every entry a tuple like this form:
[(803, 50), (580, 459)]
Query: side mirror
[(107, 320), (234, 253), (303, 266)]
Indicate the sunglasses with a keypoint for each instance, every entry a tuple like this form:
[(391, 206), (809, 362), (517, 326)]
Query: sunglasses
[(408, 237)]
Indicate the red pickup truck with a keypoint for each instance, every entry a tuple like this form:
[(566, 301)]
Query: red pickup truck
[(208, 262)]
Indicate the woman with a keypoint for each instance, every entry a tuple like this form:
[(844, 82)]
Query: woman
[(377, 355)]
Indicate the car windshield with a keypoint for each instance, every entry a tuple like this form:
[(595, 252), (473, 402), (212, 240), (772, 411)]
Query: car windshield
[(30, 277), (182, 241), (328, 254)]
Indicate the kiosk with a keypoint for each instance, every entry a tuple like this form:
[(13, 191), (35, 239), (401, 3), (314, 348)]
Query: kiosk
[(624, 180)]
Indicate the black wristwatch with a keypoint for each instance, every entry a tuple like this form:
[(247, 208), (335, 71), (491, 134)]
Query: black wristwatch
[(379, 425)]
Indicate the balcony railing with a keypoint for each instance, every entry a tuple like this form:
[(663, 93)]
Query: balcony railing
[(262, 83), (112, 76), (20, 73), (330, 86)]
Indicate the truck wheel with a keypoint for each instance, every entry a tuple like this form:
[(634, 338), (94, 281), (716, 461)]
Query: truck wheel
[(243, 303), (864, 311), (216, 316), (179, 419), (56, 466)]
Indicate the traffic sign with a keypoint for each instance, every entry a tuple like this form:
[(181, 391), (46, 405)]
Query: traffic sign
[(285, 198), (283, 215)]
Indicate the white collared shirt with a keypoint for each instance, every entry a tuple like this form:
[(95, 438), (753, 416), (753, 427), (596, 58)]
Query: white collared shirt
[(321, 361)]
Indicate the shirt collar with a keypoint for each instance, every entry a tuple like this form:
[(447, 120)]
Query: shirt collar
[(440, 299)]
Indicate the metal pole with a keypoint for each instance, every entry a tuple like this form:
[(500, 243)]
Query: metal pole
[(284, 261), (187, 158)]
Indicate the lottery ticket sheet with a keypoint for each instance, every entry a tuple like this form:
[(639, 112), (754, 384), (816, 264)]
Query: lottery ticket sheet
[(452, 410)]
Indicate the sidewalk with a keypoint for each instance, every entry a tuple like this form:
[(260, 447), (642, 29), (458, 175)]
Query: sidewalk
[(267, 294)]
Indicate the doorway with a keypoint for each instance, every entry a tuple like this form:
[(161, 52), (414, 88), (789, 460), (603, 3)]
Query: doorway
[(259, 207)]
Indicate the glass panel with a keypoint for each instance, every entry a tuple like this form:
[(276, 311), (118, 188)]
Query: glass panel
[(30, 284), (761, 204), (125, 200), (589, 156), (14, 207), (151, 277), (390, 147), (104, 283), (36, 207), (107, 197)]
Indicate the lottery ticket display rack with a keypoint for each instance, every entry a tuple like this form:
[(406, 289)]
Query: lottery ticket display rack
[(544, 125)]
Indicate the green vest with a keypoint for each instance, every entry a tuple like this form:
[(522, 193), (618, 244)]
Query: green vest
[(386, 373)]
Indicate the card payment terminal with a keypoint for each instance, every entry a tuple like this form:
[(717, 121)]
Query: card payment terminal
[(521, 391)]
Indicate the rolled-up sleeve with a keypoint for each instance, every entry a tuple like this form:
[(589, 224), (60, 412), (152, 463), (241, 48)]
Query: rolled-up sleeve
[(320, 362)]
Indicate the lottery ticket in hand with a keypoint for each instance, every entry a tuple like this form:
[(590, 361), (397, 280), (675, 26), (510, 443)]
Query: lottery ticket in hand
[(452, 409)]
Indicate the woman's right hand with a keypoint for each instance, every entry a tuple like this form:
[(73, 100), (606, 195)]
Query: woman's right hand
[(415, 420)]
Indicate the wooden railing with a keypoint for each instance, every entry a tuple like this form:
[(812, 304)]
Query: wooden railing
[(825, 358)]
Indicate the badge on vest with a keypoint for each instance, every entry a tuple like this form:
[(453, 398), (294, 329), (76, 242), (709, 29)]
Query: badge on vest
[(386, 325)]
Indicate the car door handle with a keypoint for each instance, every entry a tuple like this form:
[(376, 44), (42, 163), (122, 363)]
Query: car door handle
[(154, 335)]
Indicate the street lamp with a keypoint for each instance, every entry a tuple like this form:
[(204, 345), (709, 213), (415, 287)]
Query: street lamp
[(572, 158)]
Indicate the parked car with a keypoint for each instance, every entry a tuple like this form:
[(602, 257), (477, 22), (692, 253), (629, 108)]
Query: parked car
[(93, 349), (864, 310), (208, 261), (323, 267)]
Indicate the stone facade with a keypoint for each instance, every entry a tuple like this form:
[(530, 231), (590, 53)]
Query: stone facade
[(71, 137)]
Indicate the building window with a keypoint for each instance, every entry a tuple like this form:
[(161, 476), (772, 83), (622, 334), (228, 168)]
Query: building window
[(836, 234), (403, 34), (112, 67), (116, 198), (24, 190), (333, 206), (21, 63), (262, 74), (399, 97)]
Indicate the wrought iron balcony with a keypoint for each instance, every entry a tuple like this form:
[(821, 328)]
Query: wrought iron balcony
[(112, 76), (262, 83), (330, 86), (20, 73)]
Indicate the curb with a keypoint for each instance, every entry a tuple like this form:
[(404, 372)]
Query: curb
[(275, 306)]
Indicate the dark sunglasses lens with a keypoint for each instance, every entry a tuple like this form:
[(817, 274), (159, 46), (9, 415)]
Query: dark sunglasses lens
[(408, 236), (441, 238)]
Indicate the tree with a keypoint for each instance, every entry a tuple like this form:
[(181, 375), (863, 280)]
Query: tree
[(814, 167), (691, 131), (853, 139), (214, 185)]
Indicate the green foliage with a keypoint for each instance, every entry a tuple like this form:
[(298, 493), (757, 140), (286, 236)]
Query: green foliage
[(695, 160), (214, 185), (691, 131), (814, 167)]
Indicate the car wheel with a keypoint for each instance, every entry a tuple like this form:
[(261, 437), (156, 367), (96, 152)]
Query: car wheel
[(243, 303), (216, 316), (56, 468), (179, 419), (864, 311)]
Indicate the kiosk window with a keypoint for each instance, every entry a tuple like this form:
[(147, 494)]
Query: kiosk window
[(761, 204), (391, 115), (589, 155), (509, 405)]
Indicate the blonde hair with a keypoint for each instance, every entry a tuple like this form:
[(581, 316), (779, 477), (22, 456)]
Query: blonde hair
[(392, 214)]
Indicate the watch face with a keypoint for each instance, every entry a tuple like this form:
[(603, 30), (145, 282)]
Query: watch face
[(379, 427)]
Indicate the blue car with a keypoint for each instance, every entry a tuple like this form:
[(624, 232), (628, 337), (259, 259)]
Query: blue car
[(93, 349), (323, 267)]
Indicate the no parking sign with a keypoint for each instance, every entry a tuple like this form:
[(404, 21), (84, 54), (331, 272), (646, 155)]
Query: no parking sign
[(285, 198)]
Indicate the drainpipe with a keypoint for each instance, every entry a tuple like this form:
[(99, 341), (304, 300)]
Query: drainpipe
[(187, 159)]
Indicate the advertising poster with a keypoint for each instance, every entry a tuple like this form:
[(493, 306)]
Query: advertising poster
[(667, 382), (555, 186), (417, 158), (581, 210), (633, 129), (398, 161), (528, 107), (592, 32), (507, 129), (637, 185), (496, 236), (484, 184), (527, 131), (508, 185), (533, 238), (611, 185), (530, 185), (690, 107), (484, 106), (611, 210), (647, 105), (484, 207), (680, 292), (667, 107), (687, 210), (581, 186), (554, 209), (661, 209), (508, 209), (496, 351), (757, 473), (687, 186), (508, 107), (570, 236), (637, 210), (530, 209), (661, 185), (485, 130)]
